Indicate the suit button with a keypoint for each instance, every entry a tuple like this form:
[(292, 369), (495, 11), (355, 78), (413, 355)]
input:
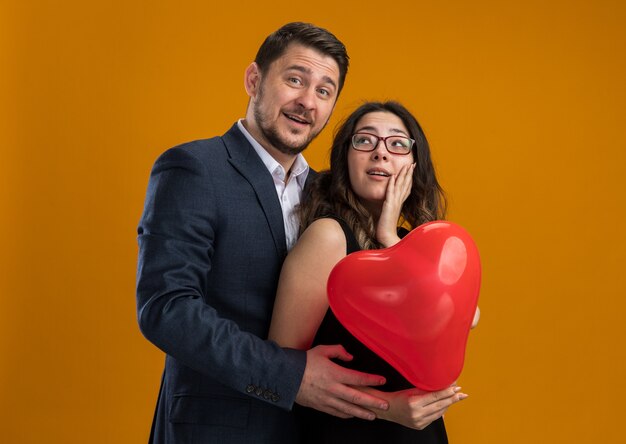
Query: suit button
[(267, 394), (275, 397), (259, 391), (250, 388)]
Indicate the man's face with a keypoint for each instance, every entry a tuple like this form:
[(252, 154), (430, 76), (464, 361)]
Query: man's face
[(292, 102)]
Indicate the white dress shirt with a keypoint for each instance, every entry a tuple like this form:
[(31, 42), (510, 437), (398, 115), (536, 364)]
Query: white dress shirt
[(290, 191)]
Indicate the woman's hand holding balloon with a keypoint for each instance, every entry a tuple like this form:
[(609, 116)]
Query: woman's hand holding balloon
[(476, 317), (415, 408)]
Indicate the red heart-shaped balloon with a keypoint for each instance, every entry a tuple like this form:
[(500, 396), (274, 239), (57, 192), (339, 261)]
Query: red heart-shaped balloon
[(412, 303)]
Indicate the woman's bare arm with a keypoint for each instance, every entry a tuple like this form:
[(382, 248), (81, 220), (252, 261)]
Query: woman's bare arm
[(301, 300)]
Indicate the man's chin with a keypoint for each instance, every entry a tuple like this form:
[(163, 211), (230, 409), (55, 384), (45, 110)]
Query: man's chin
[(291, 150), (292, 146), (288, 142)]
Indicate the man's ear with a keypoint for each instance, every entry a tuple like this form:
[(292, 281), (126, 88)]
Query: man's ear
[(252, 80)]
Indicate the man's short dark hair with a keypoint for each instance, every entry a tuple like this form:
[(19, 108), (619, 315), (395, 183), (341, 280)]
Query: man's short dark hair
[(307, 35)]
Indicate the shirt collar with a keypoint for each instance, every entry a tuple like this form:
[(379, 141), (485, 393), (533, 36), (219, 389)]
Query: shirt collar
[(299, 169)]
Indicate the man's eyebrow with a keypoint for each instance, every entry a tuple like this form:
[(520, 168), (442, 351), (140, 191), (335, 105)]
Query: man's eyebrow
[(371, 128), (305, 70)]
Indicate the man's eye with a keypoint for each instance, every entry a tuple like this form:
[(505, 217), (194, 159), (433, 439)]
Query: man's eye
[(295, 80), (324, 92)]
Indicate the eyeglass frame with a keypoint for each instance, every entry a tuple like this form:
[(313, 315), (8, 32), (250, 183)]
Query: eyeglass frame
[(384, 139)]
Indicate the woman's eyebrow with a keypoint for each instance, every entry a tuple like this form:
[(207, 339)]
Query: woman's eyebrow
[(371, 128)]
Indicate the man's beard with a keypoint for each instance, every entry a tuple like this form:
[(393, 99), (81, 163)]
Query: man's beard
[(270, 132)]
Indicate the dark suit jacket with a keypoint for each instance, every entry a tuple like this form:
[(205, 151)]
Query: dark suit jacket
[(211, 246)]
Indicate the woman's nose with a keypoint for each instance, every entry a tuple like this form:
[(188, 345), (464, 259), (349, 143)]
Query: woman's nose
[(380, 152)]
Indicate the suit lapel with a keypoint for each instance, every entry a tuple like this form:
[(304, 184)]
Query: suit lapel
[(246, 161)]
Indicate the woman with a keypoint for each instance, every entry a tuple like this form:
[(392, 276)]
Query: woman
[(380, 174)]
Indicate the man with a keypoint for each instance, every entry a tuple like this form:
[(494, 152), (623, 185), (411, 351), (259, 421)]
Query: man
[(216, 227)]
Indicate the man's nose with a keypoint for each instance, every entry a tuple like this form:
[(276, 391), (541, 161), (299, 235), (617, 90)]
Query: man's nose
[(307, 98)]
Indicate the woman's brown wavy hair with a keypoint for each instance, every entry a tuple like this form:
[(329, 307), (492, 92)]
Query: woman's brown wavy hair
[(332, 194)]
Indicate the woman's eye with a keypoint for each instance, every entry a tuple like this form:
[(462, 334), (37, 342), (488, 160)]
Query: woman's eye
[(402, 143)]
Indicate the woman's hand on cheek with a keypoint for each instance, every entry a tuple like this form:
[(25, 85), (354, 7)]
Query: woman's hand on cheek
[(398, 189)]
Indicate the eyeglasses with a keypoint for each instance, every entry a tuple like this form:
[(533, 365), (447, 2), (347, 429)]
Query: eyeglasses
[(395, 144)]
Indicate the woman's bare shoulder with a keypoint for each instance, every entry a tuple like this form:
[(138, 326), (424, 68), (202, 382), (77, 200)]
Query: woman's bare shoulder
[(325, 230)]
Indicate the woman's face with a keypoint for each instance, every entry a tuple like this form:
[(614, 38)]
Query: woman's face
[(370, 171)]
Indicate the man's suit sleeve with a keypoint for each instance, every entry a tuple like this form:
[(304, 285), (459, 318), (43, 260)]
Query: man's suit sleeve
[(177, 235)]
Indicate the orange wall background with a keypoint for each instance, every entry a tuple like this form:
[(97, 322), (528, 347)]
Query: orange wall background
[(523, 103)]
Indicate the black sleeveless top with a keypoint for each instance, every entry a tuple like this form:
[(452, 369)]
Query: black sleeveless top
[(319, 427)]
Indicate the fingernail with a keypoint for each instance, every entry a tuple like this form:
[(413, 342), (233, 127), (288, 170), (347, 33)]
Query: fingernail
[(457, 389), (384, 406), (462, 396)]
